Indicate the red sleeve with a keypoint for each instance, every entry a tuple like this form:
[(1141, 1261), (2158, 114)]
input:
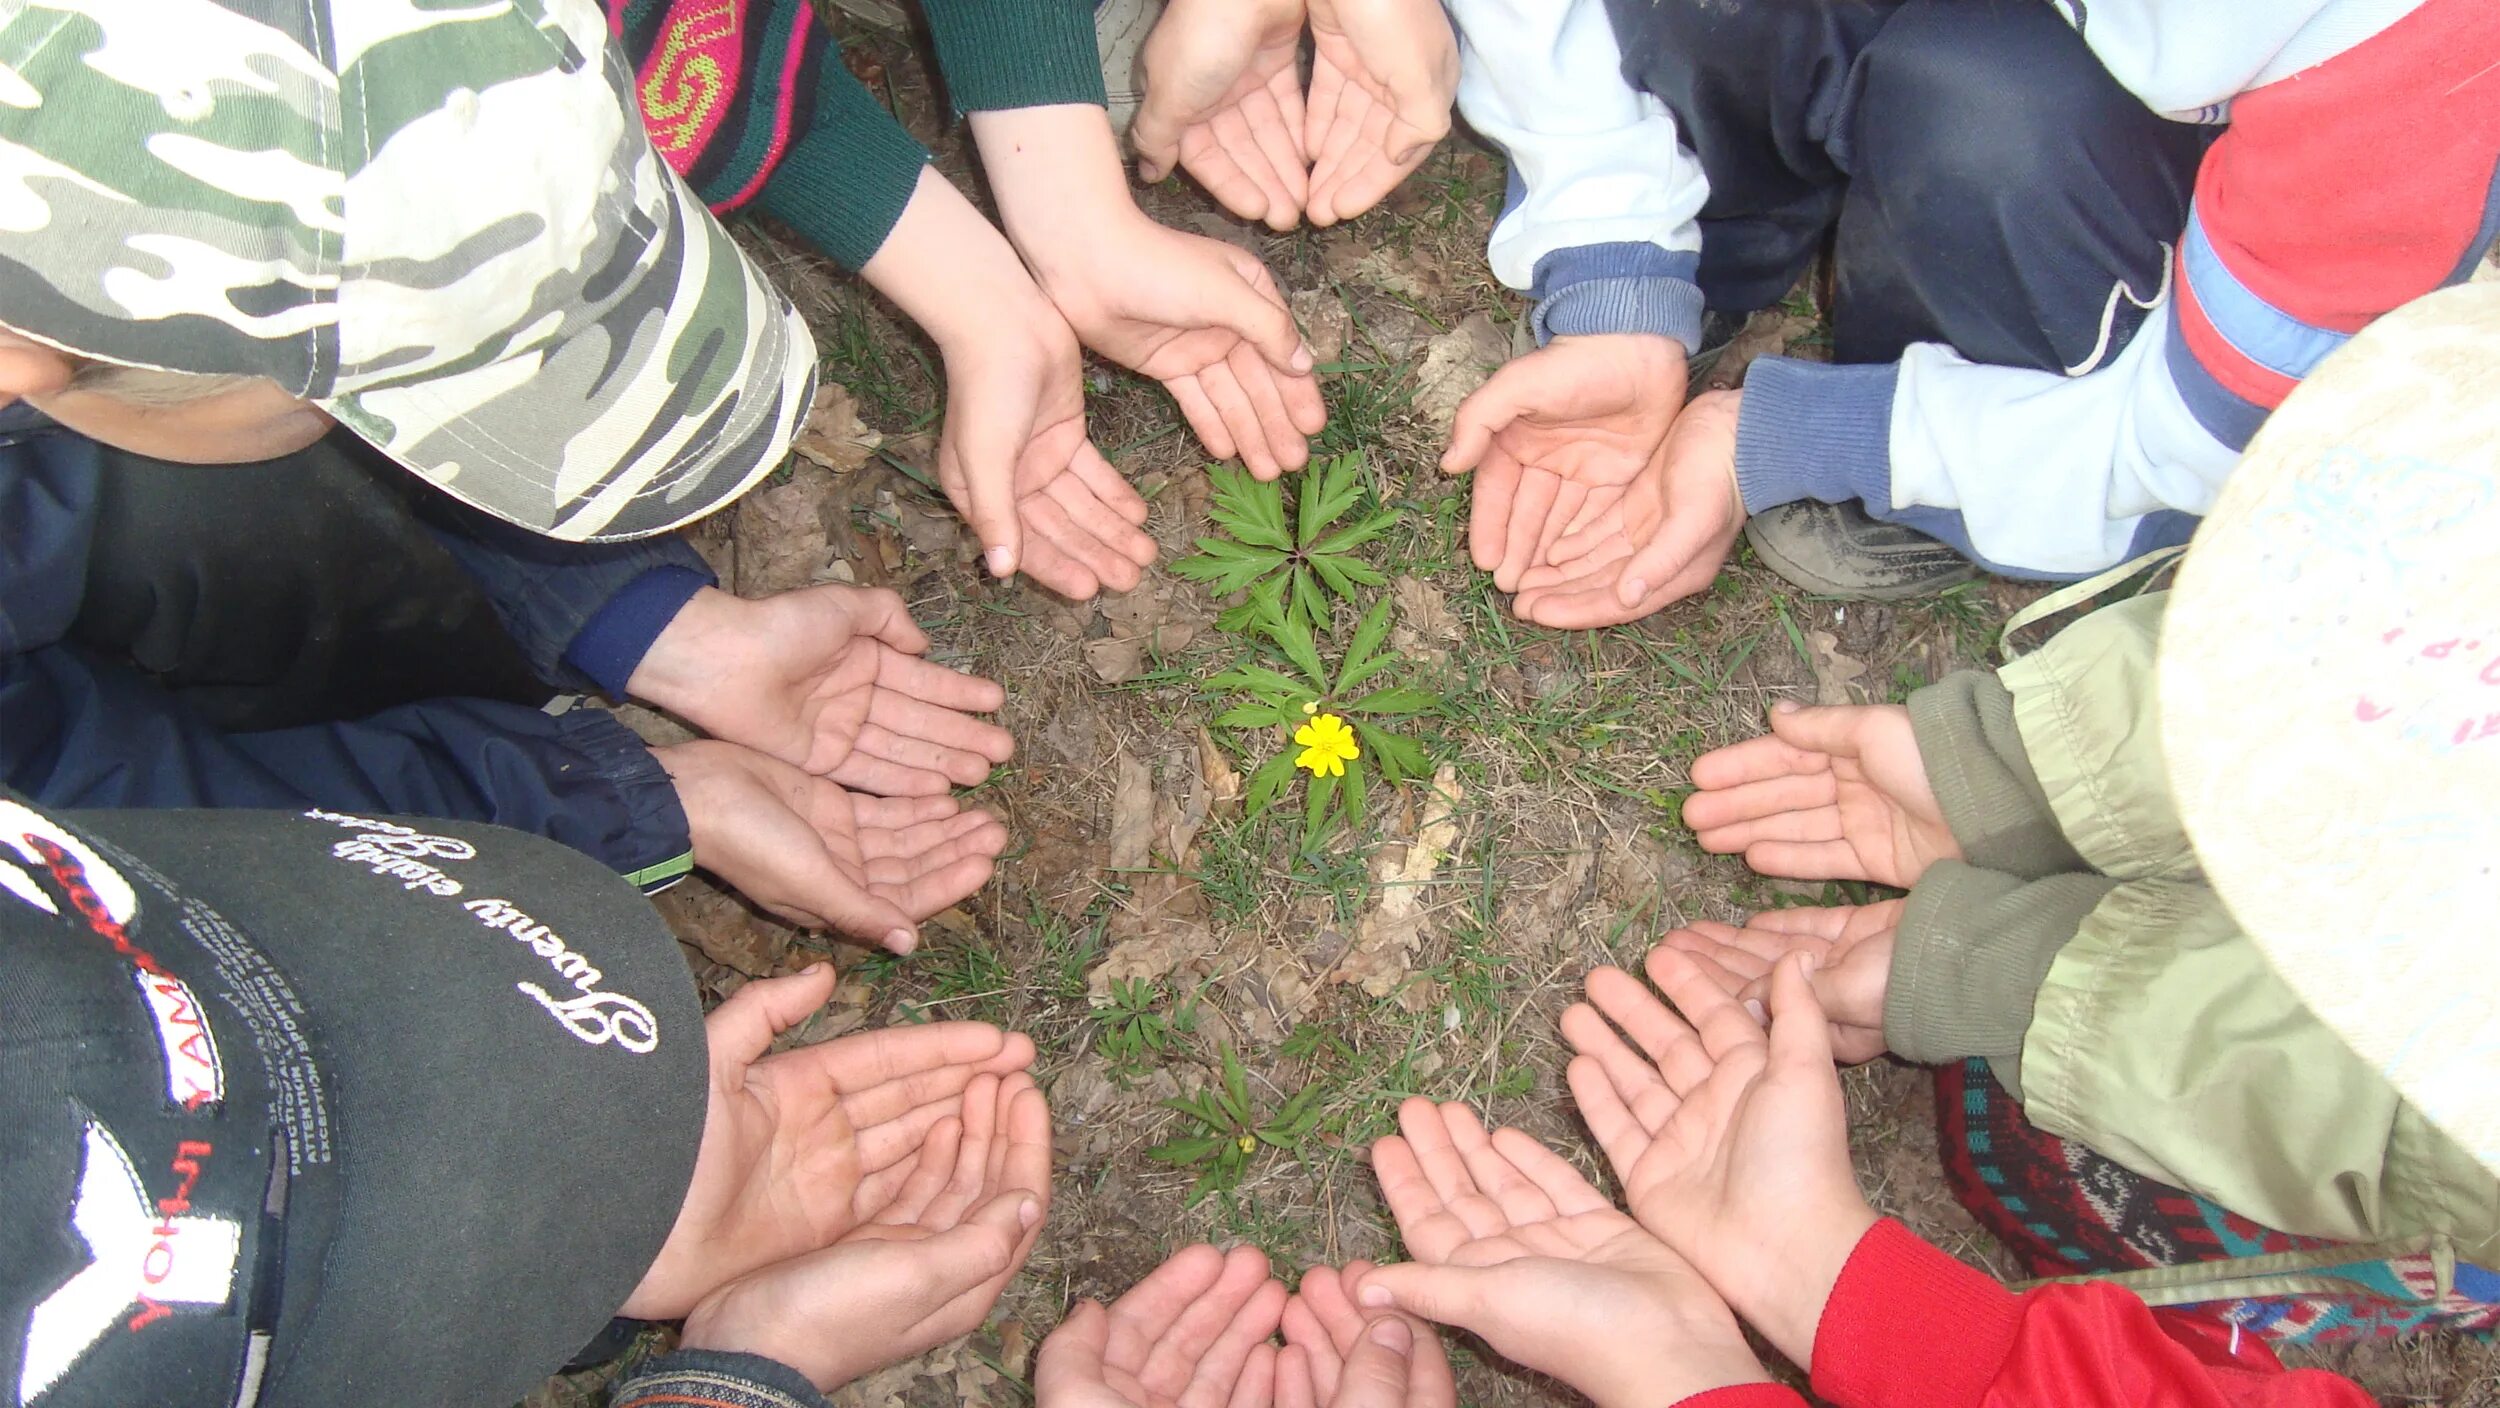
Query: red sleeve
[(1745, 1396), (2337, 194), (1909, 1327)]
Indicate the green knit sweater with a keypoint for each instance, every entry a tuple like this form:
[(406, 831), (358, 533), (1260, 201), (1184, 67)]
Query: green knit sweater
[(749, 101)]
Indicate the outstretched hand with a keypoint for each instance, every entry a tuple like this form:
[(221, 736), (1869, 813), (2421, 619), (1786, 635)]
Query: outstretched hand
[(1383, 76), (925, 1269), (1224, 101), (803, 1147), (830, 680), (1830, 793), (1193, 1334), (1665, 538), (1555, 437), (818, 856), (1851, 946), (1339, 1355), (1510, 1242), (1732, 1145)]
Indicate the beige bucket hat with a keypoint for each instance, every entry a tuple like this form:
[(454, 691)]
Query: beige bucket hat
[(2330, 701)]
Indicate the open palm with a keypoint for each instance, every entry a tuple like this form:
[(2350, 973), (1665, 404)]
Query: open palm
[(1829, 794), (1080, 525)]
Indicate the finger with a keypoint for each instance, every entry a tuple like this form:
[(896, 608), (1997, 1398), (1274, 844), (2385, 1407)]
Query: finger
[(1742, 965), (986, 449), (1488, 510), (1562, 1185), (979, 1250), (1280, 148), (1071, 1361), (1464, 1296), (1705, 961), (911, 735), (1175, 1355), (1052, 522), (1590, 605), (901, 813), (1801, 1034), (1141, 1317), (1424, 1220), (1205, 421), (742, 1028), (1714, 1014), (1570, 499), (1094, 494), (889, 1150), (929, 1173), (915, 715), (1377, 1371), (1619, 1133), (875, 1061), (866, 774), (930, 683), (1216, 1378), (1806, 860), (1822, 921), (1521, 1201), (1241, 420), (1757, 760), (1285, 443), (1256, 1386), (1529, 507), (1635, 1081), (1103, 479), (1047, 566), (1429, 1134), (967, 1182), (1216, 169), (1231, 130), (1669, 556), (1733, 804), (1251, 309), (1667, 1041), (1296, 1378), (1328, 1303)]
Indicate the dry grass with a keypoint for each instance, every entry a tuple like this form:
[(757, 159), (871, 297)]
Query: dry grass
[(1571, 750)]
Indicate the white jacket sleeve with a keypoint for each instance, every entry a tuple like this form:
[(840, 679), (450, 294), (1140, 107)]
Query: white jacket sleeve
[(1600, 223)]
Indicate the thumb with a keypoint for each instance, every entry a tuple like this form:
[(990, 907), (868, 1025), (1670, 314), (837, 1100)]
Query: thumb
[(1667, 555), (880, 614), (1072, 1356), (1801, 1035), (1248, 306), (982, 1247), (1156, 133), (988, 441), (1376, 1372), (745, 1025), (1445, 1295), (1819, 728), (860, 914)]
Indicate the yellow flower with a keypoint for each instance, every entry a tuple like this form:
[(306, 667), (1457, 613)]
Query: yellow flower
[(1247, 1144), (1327, 746)]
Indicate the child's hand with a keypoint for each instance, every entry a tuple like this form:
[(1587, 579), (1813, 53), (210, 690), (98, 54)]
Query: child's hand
[(926, 1269), (1512, 1243), (1828, 794), (1383, 76), (1555, 437), (1732, 1146), (1339, 1356), (801, 1148), (818, 855), (828, 679), (1196, 314), (1664, 538), (1194, 1332), (1852, 950), (1224, 100), (1013, 457)]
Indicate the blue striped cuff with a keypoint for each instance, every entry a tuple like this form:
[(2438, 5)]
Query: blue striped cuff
[(1618, 288), (1812, 430)]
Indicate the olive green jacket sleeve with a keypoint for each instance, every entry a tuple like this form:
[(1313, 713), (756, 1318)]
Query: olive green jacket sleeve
[(2150, 1028)]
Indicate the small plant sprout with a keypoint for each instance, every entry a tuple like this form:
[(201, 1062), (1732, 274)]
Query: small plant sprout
[(1339, 721), (1228, 1129), (1306, 558)]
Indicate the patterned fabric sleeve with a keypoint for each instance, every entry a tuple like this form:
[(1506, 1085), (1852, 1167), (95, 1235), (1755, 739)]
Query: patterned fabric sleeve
[(698, 1378)]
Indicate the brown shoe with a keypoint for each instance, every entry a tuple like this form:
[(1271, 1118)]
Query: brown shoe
[(1838, 550)]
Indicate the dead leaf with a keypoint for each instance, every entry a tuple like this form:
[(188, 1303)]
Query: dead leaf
[(1324, 320), (1832, 670), (1117, 661), (1386, 940), (1637, 869), (725, 930), (1425, 628), (1455, 364), (834, 435), (1132, 814), (780, 534), (1217, 771), (1537, 919)]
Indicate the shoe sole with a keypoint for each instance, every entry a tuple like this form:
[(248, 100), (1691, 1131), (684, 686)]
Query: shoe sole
[(1798, 574)]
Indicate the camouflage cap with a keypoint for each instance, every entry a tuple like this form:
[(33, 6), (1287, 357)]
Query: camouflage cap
[(438, 219)]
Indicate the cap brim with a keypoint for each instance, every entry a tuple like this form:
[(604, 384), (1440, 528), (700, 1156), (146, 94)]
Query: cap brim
[(508, 1168)]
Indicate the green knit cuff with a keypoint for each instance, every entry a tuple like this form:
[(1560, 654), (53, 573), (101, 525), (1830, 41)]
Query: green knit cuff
[(1968, 960), (1000, 54), (1982, 777), (844, 183)]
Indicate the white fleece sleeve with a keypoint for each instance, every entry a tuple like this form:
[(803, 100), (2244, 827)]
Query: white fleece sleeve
[(2052, 472), (1593, 160)]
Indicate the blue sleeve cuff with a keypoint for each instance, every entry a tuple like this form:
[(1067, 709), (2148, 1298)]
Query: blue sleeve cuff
[(545, 592), (715, 1377), (613, 641), (1812, 430), (1617, 288)]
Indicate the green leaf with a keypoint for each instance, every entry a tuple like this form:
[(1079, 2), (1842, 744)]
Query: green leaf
[(1347, 682), (1262, 714), (1400, 759), (1236, 1082), (1261, 681), (1354, 568), (1397, 699), (1363, 531), (1315, 818), (1309, 606), (1268, 781), (1328, 490), (1239, 495), (1368, 635), (1303, 651), (1332, 570), (1352, 792), (1191, 1149)]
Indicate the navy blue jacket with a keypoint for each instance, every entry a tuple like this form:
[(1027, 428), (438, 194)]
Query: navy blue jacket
[(81, 730)]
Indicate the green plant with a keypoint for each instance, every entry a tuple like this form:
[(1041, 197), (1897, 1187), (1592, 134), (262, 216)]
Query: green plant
[(1134, 1030), (1355, 691), (1307, 555), (1230, 1129)]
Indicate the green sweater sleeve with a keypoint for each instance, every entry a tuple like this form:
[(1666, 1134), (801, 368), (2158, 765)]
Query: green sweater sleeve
[(1973, 948), (846, 178), (1000, 54), (1983, 778)]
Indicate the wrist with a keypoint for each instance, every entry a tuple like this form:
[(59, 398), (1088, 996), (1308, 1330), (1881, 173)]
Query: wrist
[(1057, 174), (949, 270), (1798, 1272), (684, 661)]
